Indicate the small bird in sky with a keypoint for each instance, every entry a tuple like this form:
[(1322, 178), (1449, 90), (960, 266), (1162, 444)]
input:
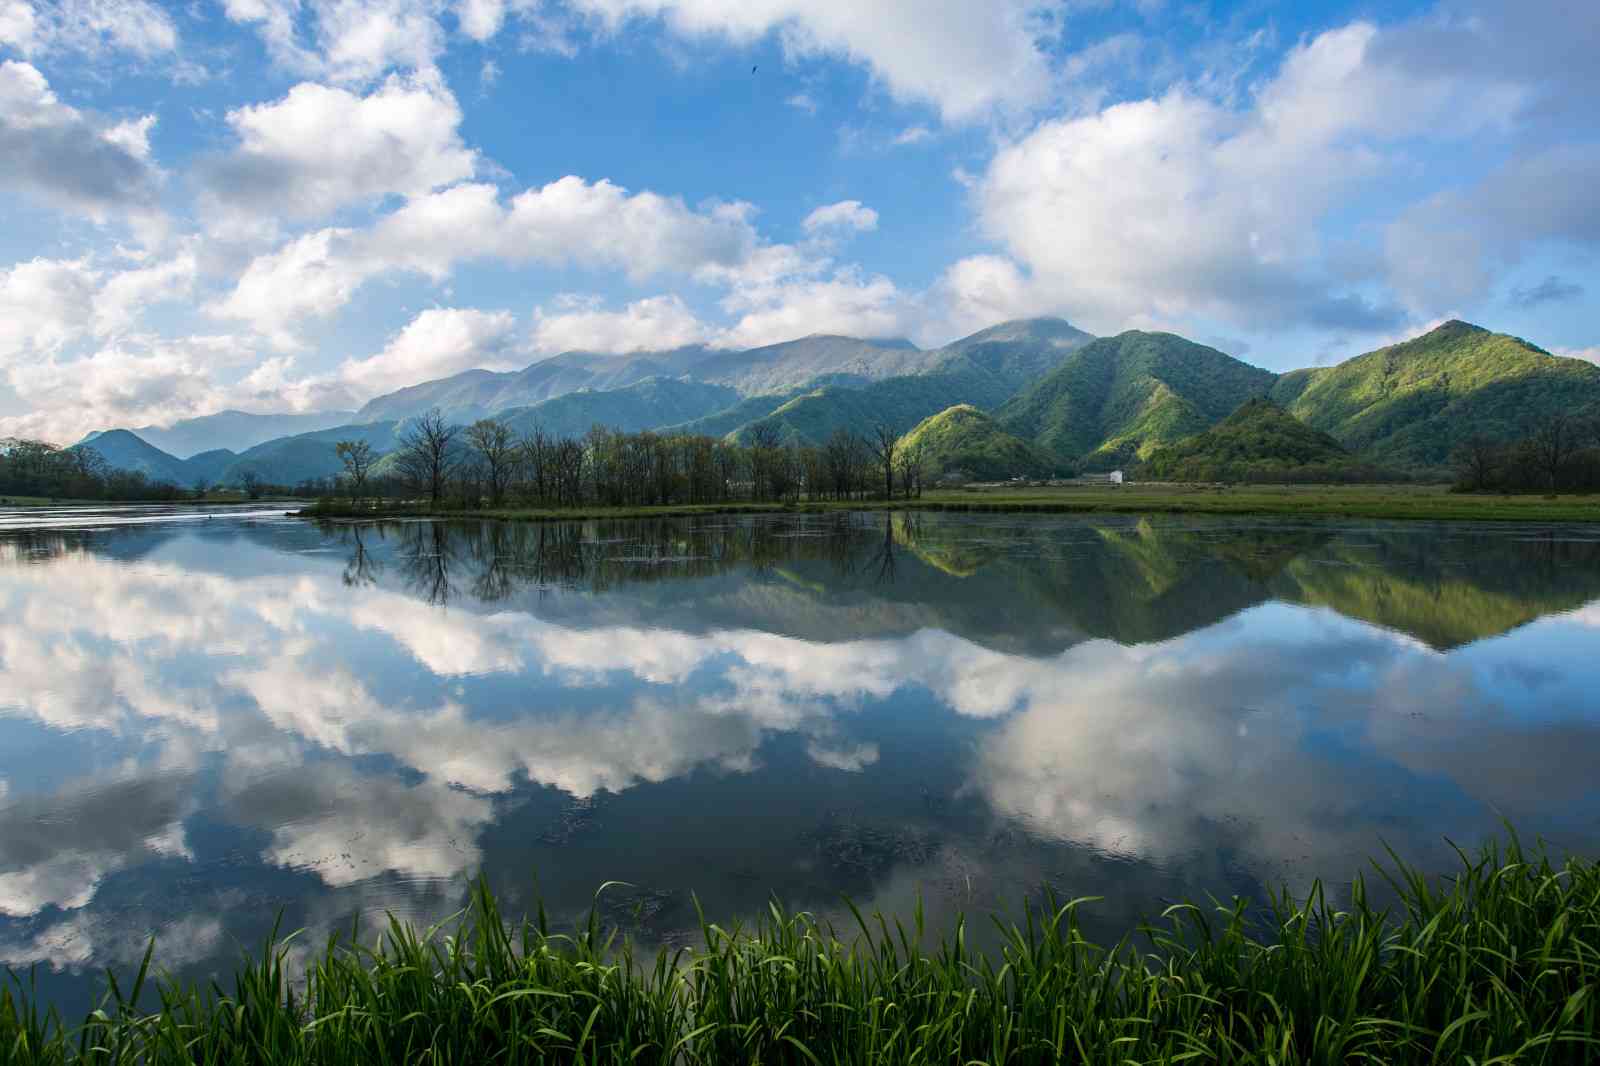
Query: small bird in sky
[(753, 69)]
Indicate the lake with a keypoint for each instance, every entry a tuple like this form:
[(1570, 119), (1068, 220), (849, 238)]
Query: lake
[(211, 719)]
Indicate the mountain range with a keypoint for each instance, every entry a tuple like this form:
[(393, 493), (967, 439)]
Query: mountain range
[(1037, 394)]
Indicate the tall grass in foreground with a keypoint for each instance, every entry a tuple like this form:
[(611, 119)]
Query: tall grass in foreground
[(1497, 963)]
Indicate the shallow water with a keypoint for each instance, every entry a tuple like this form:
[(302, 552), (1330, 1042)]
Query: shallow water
[(206, 721)]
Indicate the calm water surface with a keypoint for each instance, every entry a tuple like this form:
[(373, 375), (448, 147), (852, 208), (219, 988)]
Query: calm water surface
[(205, 721)]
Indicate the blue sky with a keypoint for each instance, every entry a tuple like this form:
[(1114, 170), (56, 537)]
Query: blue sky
[(300, 204)]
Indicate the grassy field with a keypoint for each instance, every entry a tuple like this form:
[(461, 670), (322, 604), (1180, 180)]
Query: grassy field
[(1348, 501), (1499, 963)]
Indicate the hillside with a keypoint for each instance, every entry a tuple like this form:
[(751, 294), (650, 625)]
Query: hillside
[(963, 440), (1260, 440), (1118, 398), (124, 450), (1410, 404), (291, 460), (475, 394), (813, 417), (649, 404), (1017, 353)]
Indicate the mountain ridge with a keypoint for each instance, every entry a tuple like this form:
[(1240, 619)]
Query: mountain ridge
[(1083, 401)]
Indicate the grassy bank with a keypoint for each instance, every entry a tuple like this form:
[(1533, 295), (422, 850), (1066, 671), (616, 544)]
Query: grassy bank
[(1498, 963), (1337, 501)]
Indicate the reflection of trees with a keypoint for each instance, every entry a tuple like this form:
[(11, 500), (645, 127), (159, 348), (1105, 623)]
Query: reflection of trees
[(361, 569), (1130, 580), (883, 559), (427, 553)]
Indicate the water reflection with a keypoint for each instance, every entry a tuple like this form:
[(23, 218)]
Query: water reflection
[(201, 724)]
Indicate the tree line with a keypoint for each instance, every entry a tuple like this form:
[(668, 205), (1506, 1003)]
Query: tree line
[(1559, 453), (38, 468), (488, 462)]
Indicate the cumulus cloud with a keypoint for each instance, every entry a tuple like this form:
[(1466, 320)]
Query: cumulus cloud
[(582, 323), (847, 302), (133, 380), (570, 221), (437, 343), (966, 58), (321, 148), (847, 215), (87, 26), (1180, 206), (70, 159), (346, 41), (44, 304)]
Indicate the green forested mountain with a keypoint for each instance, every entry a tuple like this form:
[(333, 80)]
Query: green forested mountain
[(648, 404), (1258, 441), (1410, 404), (963, 439), (1090, 403), (812, 417), (1118, 398)]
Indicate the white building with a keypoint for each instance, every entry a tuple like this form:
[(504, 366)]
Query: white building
[(1115, 477)]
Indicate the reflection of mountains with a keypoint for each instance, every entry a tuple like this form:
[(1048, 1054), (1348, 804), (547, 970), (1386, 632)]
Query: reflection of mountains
[(1029, 584)]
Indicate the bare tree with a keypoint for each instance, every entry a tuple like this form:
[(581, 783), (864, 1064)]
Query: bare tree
[(357, 457), (1554, 439), (497, 452), (427, 454), (1476, 459), (884, 442), (250, 481)]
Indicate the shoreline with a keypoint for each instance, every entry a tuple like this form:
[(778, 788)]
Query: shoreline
[(1380, 502), (1488, 962)]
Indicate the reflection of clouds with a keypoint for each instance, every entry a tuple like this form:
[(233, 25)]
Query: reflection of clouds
[(347, 826), (1145, 752), (85, 937), (1141, 751), (56, 849)]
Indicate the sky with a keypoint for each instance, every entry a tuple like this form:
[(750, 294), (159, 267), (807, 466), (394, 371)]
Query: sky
[(298, 205)]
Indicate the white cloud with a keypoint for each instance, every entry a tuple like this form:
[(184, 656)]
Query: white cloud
[(913, 135), (69, 159), (320, 148), (88, 26), (583, 324), (1178, 206), (569, 221), (437, 343), (1592, 353), (351, 41), (847, 215), (44, 304), (47, 304), (964, 57), (132, 381), (803, 102), (847, 303)]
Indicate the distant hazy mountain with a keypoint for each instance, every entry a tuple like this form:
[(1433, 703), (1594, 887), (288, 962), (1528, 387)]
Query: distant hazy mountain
[(124, 450), (233, 430), (290, 460), (963, 439), (1409, 404), (1117, 398)]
